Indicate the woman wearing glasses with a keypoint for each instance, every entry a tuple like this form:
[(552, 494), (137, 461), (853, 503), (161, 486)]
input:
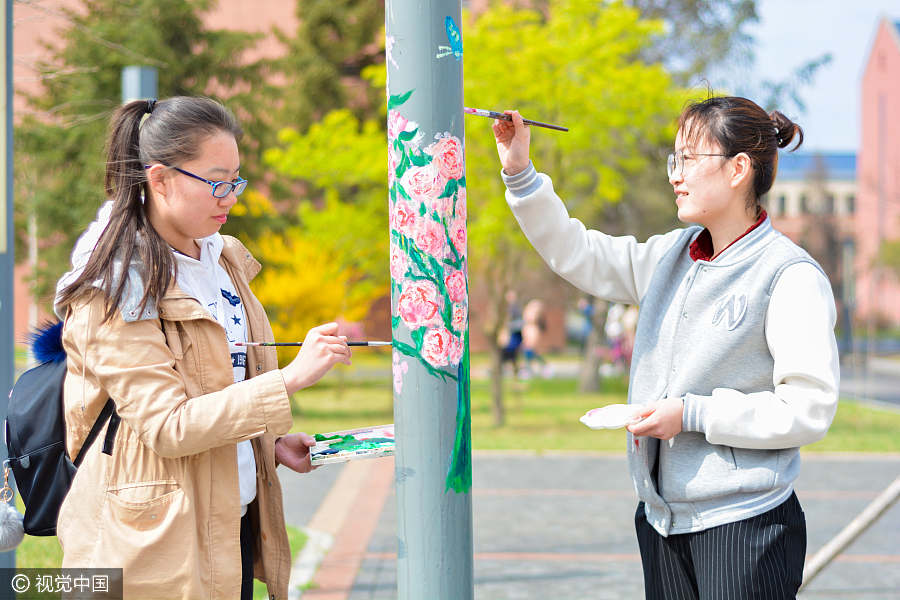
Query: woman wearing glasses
[(185, 499), (735, 360)]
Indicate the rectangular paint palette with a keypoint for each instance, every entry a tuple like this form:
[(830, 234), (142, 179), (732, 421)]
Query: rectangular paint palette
[(353, 444)]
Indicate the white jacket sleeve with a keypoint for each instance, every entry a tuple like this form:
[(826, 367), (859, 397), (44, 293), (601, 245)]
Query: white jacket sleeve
[(800, 334), (613, 268)]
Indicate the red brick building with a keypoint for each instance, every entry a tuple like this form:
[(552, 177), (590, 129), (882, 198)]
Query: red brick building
[(878, 176)]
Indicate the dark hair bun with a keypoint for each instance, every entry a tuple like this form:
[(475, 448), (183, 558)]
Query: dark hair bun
[(785, 130)]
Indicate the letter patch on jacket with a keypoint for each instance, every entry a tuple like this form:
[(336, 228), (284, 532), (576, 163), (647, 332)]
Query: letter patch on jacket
[(730, 307)]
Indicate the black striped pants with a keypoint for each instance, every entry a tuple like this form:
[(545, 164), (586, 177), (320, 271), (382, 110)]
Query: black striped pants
[(757, 558)]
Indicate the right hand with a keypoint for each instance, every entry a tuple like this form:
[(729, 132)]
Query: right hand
[(513, 139), (322, 349)]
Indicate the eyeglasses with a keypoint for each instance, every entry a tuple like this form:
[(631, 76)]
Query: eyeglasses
[(220, 189), (675, 161)]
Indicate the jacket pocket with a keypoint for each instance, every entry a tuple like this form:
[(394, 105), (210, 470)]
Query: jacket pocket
[(694, 470), (757, 467), (146, 505), (151, 530)]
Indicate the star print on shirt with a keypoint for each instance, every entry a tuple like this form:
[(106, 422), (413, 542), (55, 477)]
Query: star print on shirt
[(236, 320)]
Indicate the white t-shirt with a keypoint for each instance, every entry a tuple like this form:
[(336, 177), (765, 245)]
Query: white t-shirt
[(208, 282)]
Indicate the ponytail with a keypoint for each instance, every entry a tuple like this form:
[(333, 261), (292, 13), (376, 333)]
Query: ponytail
[(785, 130)]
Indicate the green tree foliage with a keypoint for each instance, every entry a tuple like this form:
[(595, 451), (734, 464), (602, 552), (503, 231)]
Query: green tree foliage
[(59, 148), (335, 41), (889, 256), (333, 262), (699, 34)]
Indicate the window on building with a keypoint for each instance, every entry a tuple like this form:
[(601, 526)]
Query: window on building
[(828, 205), (851, 204), (781, 204), (804, 204)]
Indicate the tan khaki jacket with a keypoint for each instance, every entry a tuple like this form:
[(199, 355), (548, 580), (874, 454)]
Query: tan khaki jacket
[(165, 507)]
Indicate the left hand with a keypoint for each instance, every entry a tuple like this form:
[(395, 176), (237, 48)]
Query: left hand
[(661, 419), (292, 451)]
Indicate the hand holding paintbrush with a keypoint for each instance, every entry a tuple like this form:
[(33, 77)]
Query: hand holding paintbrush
[(320, 351), (513, 142)]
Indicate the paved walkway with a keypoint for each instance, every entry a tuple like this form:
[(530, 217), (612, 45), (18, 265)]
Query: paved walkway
[(561, 526)]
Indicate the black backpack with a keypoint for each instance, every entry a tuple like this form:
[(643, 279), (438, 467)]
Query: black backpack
[(36, 434)]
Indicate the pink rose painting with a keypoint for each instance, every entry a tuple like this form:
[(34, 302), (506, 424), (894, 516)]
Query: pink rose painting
[(400, 367), (430, 237), (399, 263), (393, 163), (436, 346), (418, 304), (461, 204), (458, 236), (456, 286), (429, 295), (425, 184), (403, 217), (454, 351), (397, 124), (460, 317), (448, 156)]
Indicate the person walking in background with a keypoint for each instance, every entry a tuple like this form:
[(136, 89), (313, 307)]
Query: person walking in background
[(509, 351), (535, 325), (629, 327), (187, 502), (586, 309), (735, 362), (615, 334)]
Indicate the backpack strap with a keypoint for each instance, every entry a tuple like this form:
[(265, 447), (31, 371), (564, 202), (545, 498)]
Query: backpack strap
[(114, 420), (108, 413)]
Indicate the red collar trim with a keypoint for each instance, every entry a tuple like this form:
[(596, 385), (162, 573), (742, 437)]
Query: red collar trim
[(702, 247)]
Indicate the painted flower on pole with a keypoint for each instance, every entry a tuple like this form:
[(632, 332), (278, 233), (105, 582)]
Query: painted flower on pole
[(428, 263)]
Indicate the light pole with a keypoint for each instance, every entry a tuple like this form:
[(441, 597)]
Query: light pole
[(138, 83), (7, 244), (429, 299)]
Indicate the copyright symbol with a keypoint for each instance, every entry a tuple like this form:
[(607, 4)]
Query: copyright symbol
[(20, 583)]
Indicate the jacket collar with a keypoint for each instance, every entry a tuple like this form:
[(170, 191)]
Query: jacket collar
[(236, 254), (701, 249)]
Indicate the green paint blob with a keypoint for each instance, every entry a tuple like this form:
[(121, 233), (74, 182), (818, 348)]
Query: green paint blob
[(349, 443)]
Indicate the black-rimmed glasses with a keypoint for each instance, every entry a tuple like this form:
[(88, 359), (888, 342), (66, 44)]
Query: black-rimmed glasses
[(675, 162), (220, 189)]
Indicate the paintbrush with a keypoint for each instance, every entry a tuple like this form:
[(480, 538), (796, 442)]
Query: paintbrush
[(491, 114), (370, 344)]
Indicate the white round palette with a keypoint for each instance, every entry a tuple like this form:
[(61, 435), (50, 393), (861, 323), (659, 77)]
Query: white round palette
[(612, 416)]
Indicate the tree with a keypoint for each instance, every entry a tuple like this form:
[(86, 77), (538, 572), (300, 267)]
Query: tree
[(322, 66), (889, 256), (699, 34), (59, 144), (333, 261)]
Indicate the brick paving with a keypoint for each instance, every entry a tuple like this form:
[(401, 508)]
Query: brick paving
[(561, 526)]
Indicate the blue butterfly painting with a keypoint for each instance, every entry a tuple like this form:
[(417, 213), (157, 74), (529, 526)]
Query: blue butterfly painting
[(455, 48), (232, 299)]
